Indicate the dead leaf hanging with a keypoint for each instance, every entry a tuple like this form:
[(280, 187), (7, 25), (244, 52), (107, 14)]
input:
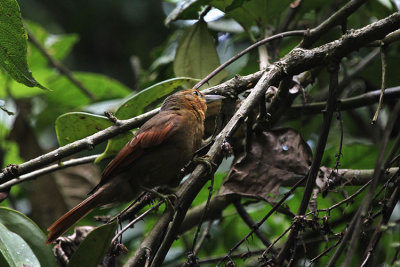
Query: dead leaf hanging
[(275, 157)]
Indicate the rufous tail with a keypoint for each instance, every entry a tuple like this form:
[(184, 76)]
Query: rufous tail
[(71, 217)]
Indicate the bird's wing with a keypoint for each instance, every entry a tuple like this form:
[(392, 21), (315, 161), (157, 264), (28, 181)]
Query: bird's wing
[(151, 134)]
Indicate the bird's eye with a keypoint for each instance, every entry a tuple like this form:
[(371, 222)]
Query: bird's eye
[(196, 92)]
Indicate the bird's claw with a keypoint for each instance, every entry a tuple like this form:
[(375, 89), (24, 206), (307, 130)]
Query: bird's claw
[(166, 198), (206, 161)]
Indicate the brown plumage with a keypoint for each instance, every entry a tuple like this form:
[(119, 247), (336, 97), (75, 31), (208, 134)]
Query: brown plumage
[(153, 157)]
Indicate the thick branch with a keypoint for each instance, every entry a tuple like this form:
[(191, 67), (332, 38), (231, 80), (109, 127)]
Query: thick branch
[(218, 203), (70, 149), (295, 62), (314, 169), (347, 103), (334, 20), (231, 87)]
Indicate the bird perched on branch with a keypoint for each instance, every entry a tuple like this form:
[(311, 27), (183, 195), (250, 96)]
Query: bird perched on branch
[(153, 157)]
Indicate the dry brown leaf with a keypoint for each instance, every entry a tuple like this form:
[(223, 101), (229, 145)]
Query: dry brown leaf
[(275, 156)]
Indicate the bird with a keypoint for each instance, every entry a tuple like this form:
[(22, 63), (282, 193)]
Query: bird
[(153, 157)]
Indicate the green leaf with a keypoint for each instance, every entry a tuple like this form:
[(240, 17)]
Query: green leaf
[(138, 104), (91, 251), (235, 4), (14, 250), (13, 49), (246, 13), (114, 145), (74, 126), (67, 94), (57, 45), (28, 235), (254, 13), (196, 55), (67, 97), (187, 9)]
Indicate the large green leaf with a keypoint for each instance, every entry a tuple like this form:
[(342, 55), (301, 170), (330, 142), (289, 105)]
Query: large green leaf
[(92, 250), (74, 126), (138, 104), (67, 94), (13, 44), (14, 250), (23, 237), (196, 55), (67, 97)]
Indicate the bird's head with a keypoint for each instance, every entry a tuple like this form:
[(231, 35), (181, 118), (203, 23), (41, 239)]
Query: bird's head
[(191, 100)]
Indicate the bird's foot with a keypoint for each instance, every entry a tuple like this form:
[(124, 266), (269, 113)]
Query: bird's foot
[(206, 161), (166, 198)]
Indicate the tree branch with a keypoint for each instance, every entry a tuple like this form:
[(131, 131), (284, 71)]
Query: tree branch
[(297, 61), (346, 103), (334, 20), (60, 67), (49, 169), (77, 146), (314, 169)]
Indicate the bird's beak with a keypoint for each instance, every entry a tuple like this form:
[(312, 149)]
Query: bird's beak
[(213, 98)]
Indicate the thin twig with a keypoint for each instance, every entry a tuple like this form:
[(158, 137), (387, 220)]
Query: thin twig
[(203, 237), (295, 62), (386, 214), (391, 156), (346, 199), (378, 172), (383, 85), (336, 19), (326, 251), (235, 256), (49, 169), (346, 103), (291, 64), (245, 51), (129, 225), (346, 237), (249, 221), (219, 203), (314, 169), (276, 206), (237, 83), (203, 215), (60, 67), (118, 216), (270, 247)]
